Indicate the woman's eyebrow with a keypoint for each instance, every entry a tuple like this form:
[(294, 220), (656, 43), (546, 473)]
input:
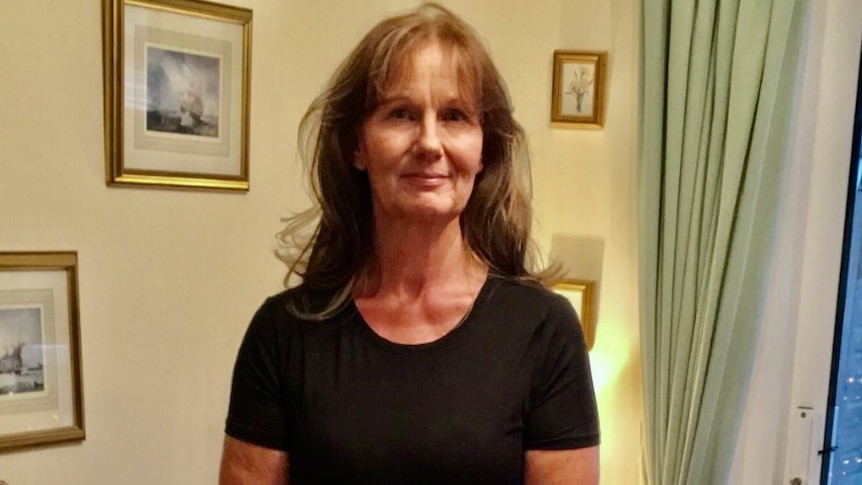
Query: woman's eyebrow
[(393, 98)]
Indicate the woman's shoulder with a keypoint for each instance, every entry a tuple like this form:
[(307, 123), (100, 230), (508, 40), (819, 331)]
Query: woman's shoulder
[(298, 306), (522, 289), (523, 310), (524, 294)]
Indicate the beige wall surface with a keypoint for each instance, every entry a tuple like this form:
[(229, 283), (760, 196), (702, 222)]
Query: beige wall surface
[(169, 279)]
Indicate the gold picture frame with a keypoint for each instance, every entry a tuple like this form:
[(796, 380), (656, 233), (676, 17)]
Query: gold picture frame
[(41, 387), (177, 90), (580, 294), (579, 88)]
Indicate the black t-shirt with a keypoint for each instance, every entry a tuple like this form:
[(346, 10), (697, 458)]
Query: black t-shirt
[(352, 407)]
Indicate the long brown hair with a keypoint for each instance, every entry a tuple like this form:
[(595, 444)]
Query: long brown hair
[(496, 221)]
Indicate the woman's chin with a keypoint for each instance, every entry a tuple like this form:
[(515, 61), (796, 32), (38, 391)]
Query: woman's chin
[(419, 206), (423, 211)]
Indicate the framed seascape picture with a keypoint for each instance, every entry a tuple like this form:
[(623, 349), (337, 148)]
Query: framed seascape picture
[(176, 93), (578, 91), (41, 399), (580, 294)]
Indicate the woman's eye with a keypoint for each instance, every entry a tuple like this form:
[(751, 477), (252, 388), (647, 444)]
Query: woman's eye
[(454, 115), (399, 114)]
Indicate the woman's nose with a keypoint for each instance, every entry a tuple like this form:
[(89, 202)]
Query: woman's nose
[(428, 144)]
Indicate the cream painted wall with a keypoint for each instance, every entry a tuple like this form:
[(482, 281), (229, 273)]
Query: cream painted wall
[(169, 279)]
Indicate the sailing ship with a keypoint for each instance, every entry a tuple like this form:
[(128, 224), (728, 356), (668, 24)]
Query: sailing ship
[(10, 361)]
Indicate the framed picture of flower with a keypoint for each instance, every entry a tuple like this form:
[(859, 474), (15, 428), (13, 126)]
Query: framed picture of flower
[(578, 91)]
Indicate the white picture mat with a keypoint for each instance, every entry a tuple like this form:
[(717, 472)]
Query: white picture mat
[(147, 39), (135, 101), (568, 103)]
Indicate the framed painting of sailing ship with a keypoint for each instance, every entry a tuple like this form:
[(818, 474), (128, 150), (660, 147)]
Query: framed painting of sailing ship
[(41, 399), (176, 93), (580, 295)]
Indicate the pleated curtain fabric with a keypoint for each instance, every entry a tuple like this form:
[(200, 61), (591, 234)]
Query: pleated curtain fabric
[(716, 96)]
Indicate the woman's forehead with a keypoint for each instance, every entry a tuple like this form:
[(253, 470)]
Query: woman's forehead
[(432, 59)]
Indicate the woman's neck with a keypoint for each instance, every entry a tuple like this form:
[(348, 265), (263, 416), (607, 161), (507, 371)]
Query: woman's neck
[(413, 258)]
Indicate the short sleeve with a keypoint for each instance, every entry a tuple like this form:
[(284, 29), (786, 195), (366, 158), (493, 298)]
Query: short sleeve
[(562, 411), (256, 413)]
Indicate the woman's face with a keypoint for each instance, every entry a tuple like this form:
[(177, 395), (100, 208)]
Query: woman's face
[(422, 144)]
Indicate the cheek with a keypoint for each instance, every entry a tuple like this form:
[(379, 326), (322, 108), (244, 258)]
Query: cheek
[(376, 153)]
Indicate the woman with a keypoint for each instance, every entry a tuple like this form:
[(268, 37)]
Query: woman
[(419, 348)]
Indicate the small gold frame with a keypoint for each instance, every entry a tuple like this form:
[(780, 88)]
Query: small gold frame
[(579, 88)]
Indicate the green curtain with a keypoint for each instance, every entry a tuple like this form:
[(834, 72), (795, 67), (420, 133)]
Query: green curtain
[(716, 95)]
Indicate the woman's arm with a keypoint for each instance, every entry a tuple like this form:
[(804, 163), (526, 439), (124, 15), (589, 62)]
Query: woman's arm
[(562, 467), (244, 463)]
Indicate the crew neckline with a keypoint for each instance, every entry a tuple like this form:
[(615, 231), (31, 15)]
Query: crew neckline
[(463, 324)]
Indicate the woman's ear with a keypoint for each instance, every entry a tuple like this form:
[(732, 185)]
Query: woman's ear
[(359, 160)]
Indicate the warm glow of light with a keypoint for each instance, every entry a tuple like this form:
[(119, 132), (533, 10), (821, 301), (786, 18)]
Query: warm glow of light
[(610, 355), (616, 378)]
